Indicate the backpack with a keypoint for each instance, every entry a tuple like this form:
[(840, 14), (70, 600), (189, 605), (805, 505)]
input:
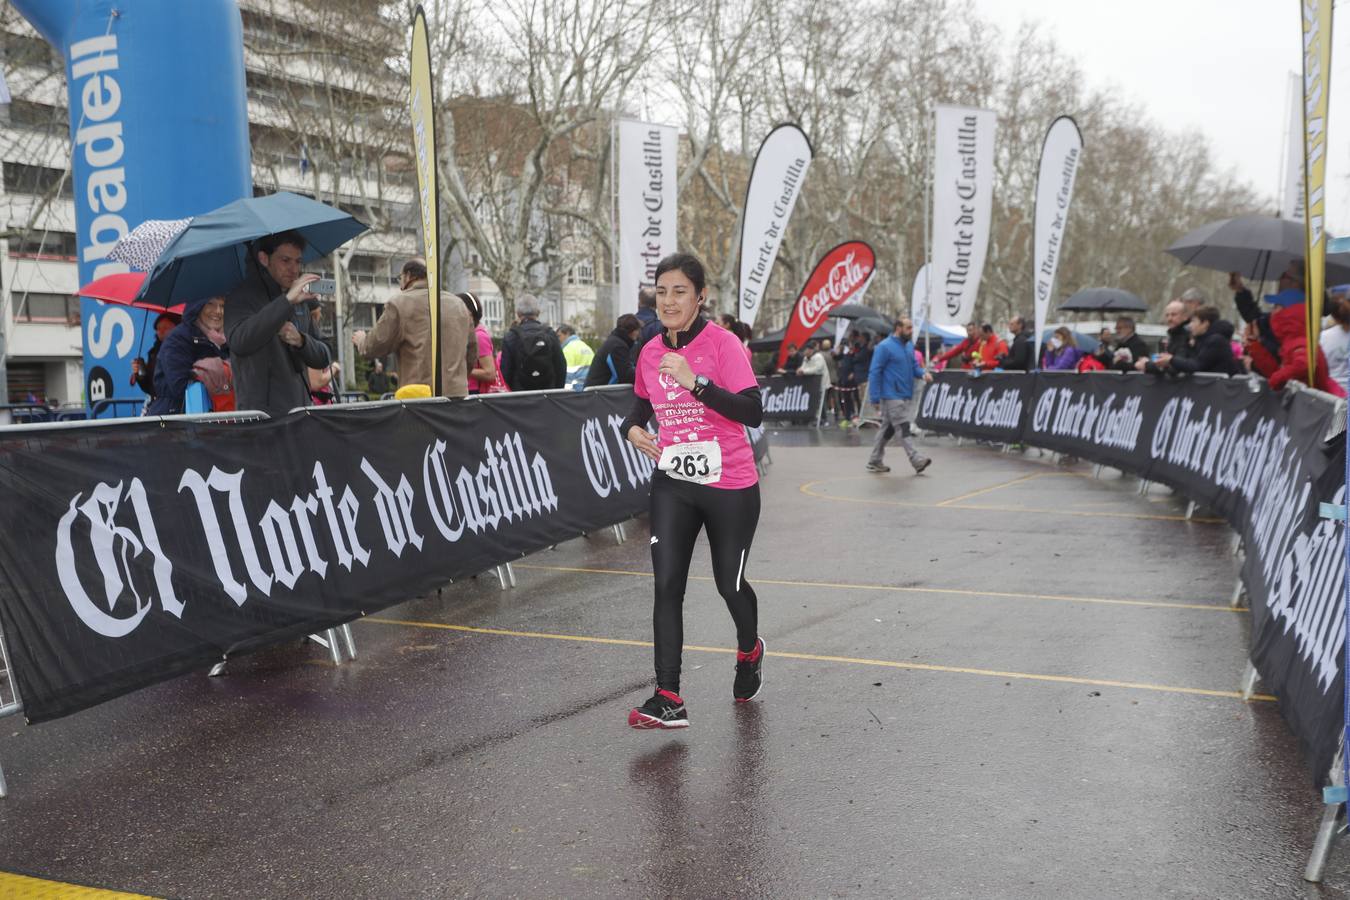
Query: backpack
[(534, 368)]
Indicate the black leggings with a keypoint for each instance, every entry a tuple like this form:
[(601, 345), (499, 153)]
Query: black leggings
[(679, 510)]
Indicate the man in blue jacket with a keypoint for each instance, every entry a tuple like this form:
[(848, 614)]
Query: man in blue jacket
[(890, 385)]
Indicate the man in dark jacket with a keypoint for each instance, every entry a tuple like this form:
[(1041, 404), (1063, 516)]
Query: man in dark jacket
[(613, 362), (272, 338), (532, 356), (648, 319), (1211, 351), (1020, 356), (1129, 346)]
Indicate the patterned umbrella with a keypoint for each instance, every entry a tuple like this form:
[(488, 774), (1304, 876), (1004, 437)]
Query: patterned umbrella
[(142, 245)]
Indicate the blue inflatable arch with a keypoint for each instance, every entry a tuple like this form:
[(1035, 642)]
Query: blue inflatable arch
[(159, 130)]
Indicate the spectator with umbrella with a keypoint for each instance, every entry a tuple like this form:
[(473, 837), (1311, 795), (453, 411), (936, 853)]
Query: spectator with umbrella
[(270, 329), (252, 251), (195, 350)]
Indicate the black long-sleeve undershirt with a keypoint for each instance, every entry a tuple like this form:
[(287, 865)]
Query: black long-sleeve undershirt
[(747, 407)]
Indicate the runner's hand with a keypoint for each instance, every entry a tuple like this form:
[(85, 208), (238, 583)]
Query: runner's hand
[(299, 293), (677, 367), (642, 439)]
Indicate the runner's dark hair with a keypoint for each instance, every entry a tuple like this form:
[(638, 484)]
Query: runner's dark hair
[(686, 263)]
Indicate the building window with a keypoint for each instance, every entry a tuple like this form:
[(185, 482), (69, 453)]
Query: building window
[(34, 307), (583, 273), (494, 310), (40, 180), (26, 114), (44, 245)]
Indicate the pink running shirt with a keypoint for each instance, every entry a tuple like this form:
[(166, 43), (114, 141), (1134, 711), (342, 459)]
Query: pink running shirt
[(721, 356), (476, 385)]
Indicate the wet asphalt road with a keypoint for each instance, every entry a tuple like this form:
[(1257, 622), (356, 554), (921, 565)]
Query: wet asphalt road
[(955, 705)]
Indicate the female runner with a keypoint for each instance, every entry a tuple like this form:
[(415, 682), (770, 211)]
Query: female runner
[(698, 383)]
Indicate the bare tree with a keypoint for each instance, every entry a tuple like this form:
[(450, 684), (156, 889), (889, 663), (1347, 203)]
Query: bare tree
[(524, 128)]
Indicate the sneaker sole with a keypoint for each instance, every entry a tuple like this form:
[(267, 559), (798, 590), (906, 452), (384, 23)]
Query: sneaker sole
[(643, 722), (763, 648)]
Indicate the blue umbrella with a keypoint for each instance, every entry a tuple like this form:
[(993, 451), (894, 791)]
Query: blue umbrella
[(211, 255)]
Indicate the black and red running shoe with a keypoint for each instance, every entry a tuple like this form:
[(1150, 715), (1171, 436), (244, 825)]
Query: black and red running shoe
[(663, 710), (748, 677)]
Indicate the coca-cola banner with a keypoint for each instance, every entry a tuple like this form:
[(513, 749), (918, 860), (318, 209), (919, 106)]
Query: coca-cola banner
[(1061, 155), (134, 553), (792, 398), (1260, 459), (645, 201), (775, 181), (963, 196), (840, 277)]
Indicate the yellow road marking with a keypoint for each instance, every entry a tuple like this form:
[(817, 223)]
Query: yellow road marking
[(998, 487), (890, 588), (807, 489), (851, 660), (22, 886)]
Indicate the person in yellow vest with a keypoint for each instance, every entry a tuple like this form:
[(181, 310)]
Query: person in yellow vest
[(578, 354)]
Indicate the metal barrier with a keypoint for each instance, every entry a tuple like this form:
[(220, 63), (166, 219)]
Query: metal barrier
[(338, 641)]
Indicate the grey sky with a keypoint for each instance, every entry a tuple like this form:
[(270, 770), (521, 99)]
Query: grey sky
[(1219, 66)]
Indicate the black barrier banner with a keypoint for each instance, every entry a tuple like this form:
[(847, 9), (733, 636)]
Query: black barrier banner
[(1258, 458), (988, 407), (792, 398), (134, 553)]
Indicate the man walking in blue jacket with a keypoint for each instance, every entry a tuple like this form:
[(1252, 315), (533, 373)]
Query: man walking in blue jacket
[(895, 368)]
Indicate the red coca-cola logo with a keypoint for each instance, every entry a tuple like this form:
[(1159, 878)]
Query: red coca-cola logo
[(845, 277), (838, 277)]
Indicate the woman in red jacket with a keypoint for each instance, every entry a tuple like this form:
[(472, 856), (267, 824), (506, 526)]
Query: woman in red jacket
[(1286, 323)]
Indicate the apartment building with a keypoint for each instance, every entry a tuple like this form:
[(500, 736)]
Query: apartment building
[(324, 121)]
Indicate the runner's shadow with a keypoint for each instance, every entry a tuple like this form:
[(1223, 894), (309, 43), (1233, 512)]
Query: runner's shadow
[(660, 776)]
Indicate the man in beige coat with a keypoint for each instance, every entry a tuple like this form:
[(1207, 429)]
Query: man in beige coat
[(405, 328)]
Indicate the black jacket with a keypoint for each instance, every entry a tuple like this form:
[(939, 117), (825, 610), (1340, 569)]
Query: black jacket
[(1177, 342), (1019, 357), (513, 356), (146, 380), (269, 374), (613, 364), (1138, 350), (1212, 353)]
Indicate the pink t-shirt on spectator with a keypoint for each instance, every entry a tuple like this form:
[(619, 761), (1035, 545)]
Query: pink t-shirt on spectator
[(477, 385), (720, 356)]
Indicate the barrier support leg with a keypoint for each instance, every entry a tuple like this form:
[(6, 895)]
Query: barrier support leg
[(333, 650), (1329, 829), (1239, 595), (4, 788), (1097, 471), (348, 640), (619, 535), (510, 575), (1236, 548), (1190, 509), (217, 670), (1144, 485), (1249, 680), (501, 577)]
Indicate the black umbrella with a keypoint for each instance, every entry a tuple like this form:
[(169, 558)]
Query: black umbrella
[(1103, 299), (1258, 247), (854, 311), (773, 339)]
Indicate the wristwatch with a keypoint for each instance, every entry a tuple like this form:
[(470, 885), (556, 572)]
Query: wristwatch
[(701, 383)]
